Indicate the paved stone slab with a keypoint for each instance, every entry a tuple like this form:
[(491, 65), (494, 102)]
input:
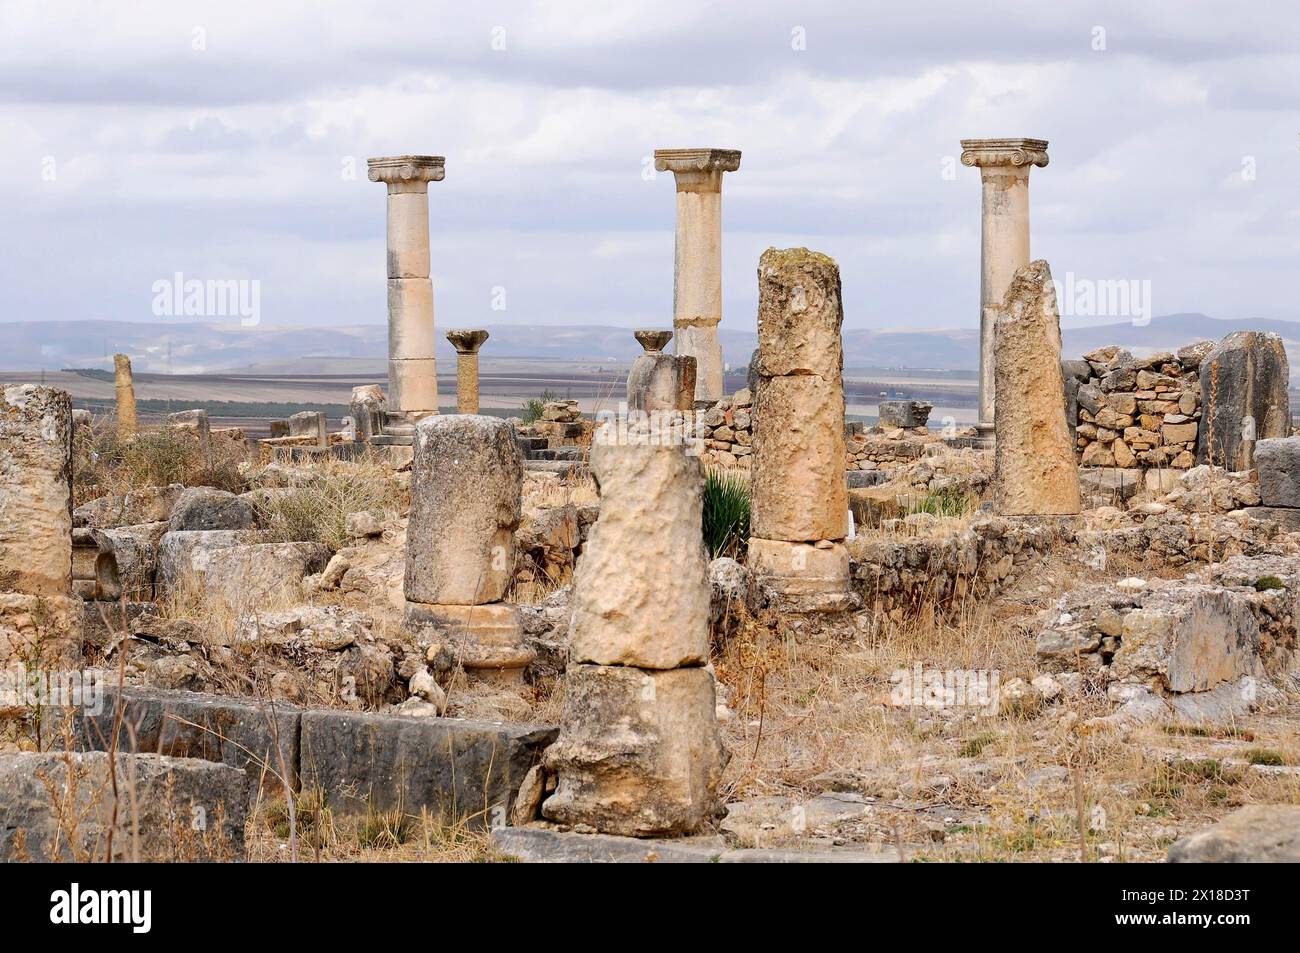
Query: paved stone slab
[(538, 845)]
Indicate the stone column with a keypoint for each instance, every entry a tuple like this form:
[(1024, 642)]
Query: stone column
[(799, 493), (1004, 166), (659, 381), (40, 622), (1035, 473), (412, 375), (467, 343), (127, 422), (639, 752), (466, 484), (697, 273)]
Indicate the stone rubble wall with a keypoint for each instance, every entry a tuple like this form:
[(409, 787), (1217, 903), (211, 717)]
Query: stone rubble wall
[(728, 429), (1135, 413)]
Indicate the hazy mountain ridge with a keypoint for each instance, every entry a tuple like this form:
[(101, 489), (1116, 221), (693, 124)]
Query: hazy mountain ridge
[(196, 348)]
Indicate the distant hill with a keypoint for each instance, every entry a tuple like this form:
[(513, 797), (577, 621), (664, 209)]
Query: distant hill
[(191, 348)]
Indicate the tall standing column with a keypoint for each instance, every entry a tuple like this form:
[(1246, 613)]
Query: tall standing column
[(412, 374), (697, 275), (467, 343), (40, 621), (800, 506), (124, 384), (1004, 166)]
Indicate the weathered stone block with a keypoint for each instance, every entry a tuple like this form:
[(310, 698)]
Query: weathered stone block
[(798, 489), (1035, 471), (639, 752), (181, 809), (254, 735), (799, 314), (455, 768), (650, 516), (207, 508), (35, 490), (904, 413), (1255, 834), (1244, 383), (465, 508), (1278, 461)]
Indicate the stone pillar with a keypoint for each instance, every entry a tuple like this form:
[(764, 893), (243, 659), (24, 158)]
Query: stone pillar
[(799, 494), (659, 381), (1004, 166), (639, 752), (467, 343), (39, 619), (412, 375), (1035, 473), (1244, 397), (127, 422), (466, 484), (697, 273)]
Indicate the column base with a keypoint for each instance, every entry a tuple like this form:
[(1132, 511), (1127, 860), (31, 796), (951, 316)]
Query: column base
[(804, 577), (487, 641)]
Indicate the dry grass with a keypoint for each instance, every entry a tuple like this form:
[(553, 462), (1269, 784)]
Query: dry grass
[(318, 508), (811, 713), (388, 836), (105, 463)]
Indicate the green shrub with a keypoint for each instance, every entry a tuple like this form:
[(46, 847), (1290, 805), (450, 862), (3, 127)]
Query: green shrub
[(1264, 583), (726, 514), (535, 406)]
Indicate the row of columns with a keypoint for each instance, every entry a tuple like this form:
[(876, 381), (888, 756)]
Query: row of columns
[(1004, 166)]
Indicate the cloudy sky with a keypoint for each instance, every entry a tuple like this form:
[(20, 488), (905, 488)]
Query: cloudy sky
[(220, 140)]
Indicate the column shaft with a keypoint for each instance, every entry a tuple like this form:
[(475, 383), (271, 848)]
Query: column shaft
[(1004, 250)]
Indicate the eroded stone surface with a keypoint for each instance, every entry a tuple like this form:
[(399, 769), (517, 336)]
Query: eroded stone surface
[(35, 490), (465, 508), (1034, 473), (625, 610), (639, 753), (1244, 383)]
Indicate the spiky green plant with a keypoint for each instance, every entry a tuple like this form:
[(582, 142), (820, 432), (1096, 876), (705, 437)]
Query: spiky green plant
[(536, 405), (726, 514)]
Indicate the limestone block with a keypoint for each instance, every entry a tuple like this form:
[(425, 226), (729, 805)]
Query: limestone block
[(408, 234), (1255, 834), (1034, 466), (476, 637), (259, 575), (638, 753), (1191, 638), (207, 508), (166, 795), (40, 630), (661, 382), (413, 384), (810, 576), (1244, 392), (798, 489), (1278, 461), (183, 556), (904, 413), (35, 490), (641, 592), (799, 314), (465, 507)]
